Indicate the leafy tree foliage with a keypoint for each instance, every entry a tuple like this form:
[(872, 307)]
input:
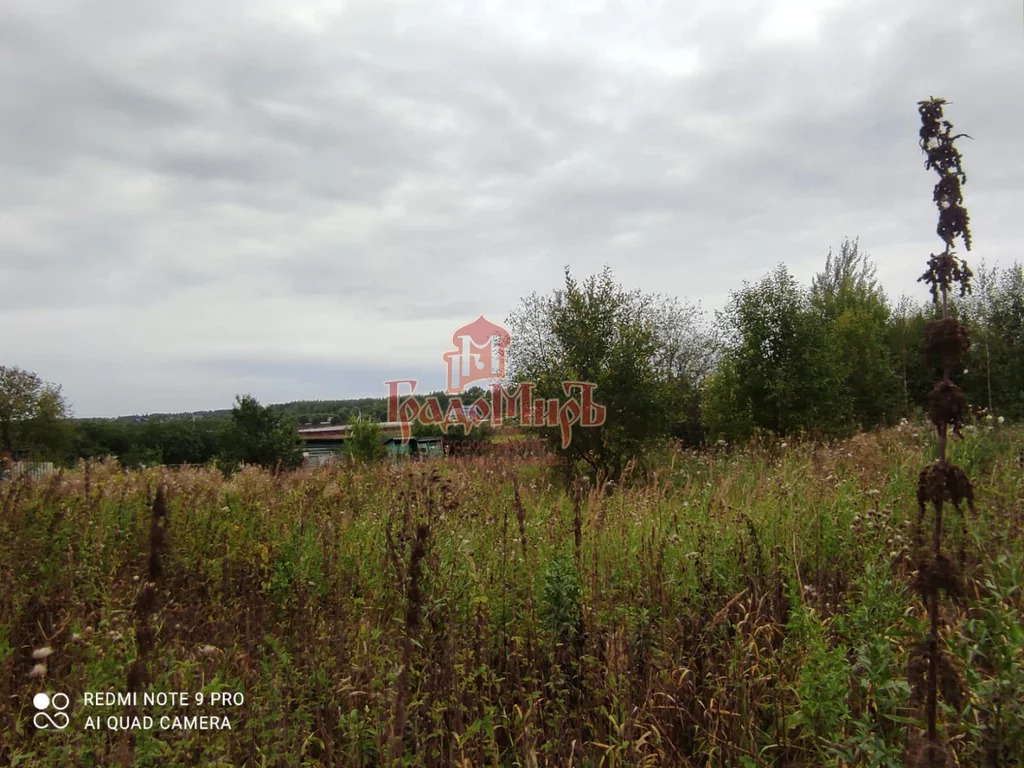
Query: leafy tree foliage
[(827, 358), (32, 413), (726, 410), (856, 315), (994, 313), (365, 442), (259, 435), (905, 336), (175, 441), (783, 366), (640, 350), (835, 357), (345, 411)]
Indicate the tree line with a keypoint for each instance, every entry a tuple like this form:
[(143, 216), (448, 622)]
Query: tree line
[(249, 433), (838, 356), (782, 358), (34, 425)]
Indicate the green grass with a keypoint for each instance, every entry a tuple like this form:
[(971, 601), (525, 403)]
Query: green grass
[(745, 607)]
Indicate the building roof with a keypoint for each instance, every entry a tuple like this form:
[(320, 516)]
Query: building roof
[(390, 430), (344, 428)]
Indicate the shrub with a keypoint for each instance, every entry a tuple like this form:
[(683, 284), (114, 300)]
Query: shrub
[(365, 443)]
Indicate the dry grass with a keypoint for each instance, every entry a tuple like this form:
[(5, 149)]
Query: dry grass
[(740, 608)]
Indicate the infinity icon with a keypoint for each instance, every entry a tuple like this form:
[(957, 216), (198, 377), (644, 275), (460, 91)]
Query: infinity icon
[(42, 719)]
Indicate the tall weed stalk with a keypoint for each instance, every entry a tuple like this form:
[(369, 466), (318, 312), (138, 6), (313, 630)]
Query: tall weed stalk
[(931, 668)]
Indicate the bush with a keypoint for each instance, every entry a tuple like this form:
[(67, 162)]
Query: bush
[(364, 443)]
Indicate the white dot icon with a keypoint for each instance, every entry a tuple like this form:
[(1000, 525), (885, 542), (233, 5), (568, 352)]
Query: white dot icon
[(41, 700)]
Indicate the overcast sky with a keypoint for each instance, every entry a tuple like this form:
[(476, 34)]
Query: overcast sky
[(304, 199)]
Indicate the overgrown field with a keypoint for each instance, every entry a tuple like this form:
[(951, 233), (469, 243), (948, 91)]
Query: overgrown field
[(743, 607)]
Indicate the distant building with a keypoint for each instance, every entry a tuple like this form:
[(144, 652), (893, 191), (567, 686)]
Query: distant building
[(322, 444), (466, 411)]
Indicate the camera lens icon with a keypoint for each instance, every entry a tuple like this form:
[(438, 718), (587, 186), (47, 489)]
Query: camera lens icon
[(43, 719)]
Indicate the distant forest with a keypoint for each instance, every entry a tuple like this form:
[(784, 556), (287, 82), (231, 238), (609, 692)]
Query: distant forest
[(303, 411)]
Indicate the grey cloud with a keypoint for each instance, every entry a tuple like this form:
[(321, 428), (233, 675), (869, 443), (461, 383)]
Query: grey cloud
[(423, 163)]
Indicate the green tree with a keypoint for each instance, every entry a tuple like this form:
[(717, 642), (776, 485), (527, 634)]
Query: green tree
[(259, 435), (784, 367), (856, 315), (365, 442), (170, 441), (994, 315), (905, 336), (637, 348), (1006, 318), (182, 442), (32, 413), (726, 410), (98, 438)]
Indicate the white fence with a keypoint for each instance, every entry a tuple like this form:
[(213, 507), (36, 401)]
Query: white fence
[(32, 469)]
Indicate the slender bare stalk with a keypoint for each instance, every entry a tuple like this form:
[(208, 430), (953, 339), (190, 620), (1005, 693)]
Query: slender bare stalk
[(947, 341)]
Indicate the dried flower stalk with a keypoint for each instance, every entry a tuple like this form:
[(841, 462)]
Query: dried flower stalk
[(931, 669)]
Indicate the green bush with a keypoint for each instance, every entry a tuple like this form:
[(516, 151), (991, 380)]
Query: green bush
[(365, 443)]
